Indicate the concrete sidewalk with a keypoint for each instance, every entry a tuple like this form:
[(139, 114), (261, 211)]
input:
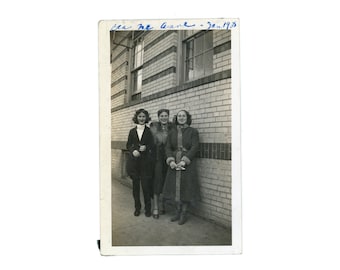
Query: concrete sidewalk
[(129, 230)]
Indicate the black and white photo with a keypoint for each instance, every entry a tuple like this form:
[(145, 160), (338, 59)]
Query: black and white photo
[(171, 148)]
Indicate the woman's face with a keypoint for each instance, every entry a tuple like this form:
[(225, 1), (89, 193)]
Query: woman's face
[(141, 117), (181, 117), (163, 118)]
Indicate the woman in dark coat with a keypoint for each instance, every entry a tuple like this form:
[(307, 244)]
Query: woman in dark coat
[(141, 159), (181, 183), (160, 132)]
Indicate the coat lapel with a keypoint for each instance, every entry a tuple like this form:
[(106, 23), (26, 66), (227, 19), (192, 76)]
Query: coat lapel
[(136, 134), (141, 139)]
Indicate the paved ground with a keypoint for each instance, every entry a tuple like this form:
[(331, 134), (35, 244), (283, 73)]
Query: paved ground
[(129, 230)]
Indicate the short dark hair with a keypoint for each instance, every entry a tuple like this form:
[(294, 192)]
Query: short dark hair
[(189, 118), (134, 118)]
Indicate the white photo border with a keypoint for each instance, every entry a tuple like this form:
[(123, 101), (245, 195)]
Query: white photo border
[(104, 66)]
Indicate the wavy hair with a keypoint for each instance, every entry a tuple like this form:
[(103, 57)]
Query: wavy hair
[(147, 116), (189, 118)]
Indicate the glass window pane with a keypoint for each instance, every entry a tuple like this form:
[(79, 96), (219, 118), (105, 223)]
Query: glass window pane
[(199, 45), (139, 80), (188, 33), (138, 59), (134, 82), (198, 68), (135, 57), (138, 54), (142, 53), (190, 49), (208, 40), (199, 56), (189, 69)]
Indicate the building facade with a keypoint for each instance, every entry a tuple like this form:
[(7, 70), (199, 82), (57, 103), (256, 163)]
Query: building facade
[(178, 69)]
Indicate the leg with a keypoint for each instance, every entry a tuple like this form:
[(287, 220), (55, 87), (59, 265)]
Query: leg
[(147, 193), (183, 215), (136, 195), (162, 205), (155, 213), (178, 212)]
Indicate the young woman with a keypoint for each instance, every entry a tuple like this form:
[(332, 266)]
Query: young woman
[(181, 183), (160, 131), (141, 159)]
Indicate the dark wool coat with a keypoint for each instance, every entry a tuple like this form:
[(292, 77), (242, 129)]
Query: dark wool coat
[(142, 166), (189, 186), (160, 137)]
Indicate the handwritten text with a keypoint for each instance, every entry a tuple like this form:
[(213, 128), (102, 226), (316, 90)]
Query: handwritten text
[(208, 25)]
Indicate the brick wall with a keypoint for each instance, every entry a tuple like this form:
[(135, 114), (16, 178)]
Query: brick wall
[(160, 61), (215, 183), (119, 67), (166, 40)]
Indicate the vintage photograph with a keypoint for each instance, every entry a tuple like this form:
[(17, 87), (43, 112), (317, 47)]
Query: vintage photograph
[(171, 136)]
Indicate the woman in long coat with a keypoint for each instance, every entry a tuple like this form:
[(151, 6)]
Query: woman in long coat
[(160, 132), (181, 183), (141, 160)]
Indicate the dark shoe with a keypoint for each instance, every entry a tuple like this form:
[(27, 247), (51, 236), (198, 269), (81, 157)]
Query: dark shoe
[(175, 218), (162, 212), (148, 213), (182, 219), (136, 213)]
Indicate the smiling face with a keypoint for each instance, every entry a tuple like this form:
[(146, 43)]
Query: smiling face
[(163, 118), (182, 118), (141, 118)]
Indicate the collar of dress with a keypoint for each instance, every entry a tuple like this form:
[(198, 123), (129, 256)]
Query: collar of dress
[(182, 126), (140, 127)]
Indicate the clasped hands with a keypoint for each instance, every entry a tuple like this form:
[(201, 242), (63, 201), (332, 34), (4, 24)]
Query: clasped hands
[(136, 153), (178, 166)]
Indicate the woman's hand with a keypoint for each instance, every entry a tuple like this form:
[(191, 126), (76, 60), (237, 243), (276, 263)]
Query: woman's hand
[(135, 153), (172, 165), (181, 164), (142, 148)]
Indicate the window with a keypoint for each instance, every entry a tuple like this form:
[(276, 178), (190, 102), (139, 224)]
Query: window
[(198, 55), (137, 69)]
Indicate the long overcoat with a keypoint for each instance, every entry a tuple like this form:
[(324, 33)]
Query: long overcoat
[(182, 185), (160, 137)]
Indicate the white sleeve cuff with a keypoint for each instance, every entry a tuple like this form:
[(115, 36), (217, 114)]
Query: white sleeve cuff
[(186, 160), (169, 159)]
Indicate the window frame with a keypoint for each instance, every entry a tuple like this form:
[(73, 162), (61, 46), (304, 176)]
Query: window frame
[(136, 89), (194, 36)]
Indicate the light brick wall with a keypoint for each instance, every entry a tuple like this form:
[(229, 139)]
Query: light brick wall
[(119, 70), (118, 87), (222, 61), (215, 189), (161, 64), (167, 42), (162, 83), (221, 37), (117, 101), (167, 61), (116, 163)]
